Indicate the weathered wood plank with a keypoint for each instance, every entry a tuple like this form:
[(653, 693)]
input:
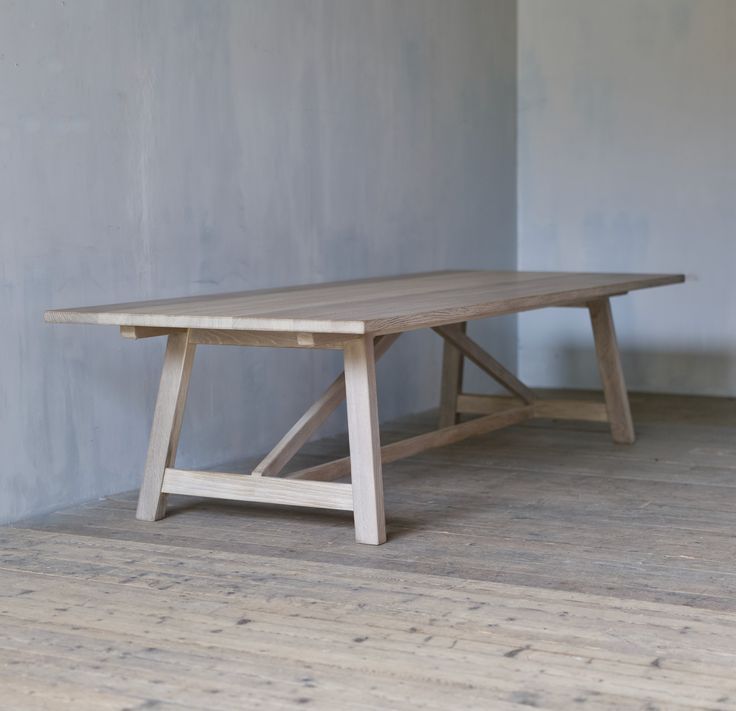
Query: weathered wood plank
[(581, 573), (81, 614)]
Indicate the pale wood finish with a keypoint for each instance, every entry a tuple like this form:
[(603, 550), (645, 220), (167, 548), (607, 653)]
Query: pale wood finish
[(365, 443), (270, 339), (241, 487), (136, 333), (349, 316), (581, 410), (542, 569), (612, 376), (578, 410), (470, 349), (452, 380), (263, 339), (584, 304), (167, 420), (410, 446), (323, 632), (274, 462), (377, 306)]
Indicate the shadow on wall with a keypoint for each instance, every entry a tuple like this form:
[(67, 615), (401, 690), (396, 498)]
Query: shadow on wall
[(683, 372)]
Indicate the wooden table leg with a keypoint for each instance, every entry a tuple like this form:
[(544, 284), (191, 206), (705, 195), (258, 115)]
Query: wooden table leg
[(452, 380), (167, 419), (365, 445), (609, 363)]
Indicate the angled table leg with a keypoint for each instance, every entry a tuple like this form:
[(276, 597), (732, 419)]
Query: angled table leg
[(452, 380), (167, 419), (365, 445), (609, 364)]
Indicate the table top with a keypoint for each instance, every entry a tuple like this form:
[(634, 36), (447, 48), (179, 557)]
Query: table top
[(379, 306)]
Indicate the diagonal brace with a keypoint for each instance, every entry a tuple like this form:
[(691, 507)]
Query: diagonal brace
[(274, 462), (470, 349), (338, 468)]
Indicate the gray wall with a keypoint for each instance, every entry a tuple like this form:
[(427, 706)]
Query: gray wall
[(627, 162), (159, 148)]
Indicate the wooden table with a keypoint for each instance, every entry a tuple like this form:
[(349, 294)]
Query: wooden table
[(362, 318)]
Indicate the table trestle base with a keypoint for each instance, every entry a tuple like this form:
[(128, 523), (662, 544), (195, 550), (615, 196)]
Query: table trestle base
[(315, 486)]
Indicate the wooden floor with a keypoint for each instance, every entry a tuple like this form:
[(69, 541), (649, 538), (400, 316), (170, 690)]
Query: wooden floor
[(540, 566)]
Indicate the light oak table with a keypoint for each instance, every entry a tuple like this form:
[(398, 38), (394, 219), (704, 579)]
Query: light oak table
[(363, 319)]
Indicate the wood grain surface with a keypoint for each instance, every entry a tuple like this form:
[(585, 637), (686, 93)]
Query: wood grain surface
[(541, 566), (383, 305)]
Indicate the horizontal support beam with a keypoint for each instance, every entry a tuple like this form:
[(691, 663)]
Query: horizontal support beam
[(226, 337), (585, 304), (137, 332), (244, 487), (273, 339), (413, 445), (583, 410)]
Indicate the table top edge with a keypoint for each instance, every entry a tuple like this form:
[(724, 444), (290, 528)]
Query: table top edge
[(97, 316)]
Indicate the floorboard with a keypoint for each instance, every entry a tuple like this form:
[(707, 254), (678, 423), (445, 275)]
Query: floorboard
[(540, 566)]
